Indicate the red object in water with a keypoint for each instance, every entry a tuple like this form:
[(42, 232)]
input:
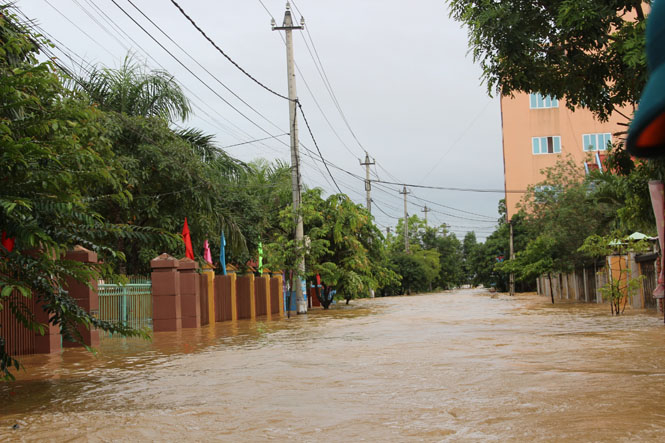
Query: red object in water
[(8, 242), (187, 238)]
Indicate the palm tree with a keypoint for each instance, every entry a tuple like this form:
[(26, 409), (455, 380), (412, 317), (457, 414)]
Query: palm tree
[(133, 91), (171, 172)]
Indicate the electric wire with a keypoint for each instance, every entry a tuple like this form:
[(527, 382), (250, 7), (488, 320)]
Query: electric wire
[(316, 144), (192, 93), (182, 11), (199, 64), (189, 70)]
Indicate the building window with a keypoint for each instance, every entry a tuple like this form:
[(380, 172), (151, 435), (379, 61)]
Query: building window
[(539, 101), (546, 145), (596, 142)]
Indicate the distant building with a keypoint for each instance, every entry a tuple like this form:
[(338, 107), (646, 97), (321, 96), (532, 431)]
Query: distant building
[(538, 130)]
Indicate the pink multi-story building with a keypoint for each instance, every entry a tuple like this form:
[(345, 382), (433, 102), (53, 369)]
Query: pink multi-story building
[(538, 130)]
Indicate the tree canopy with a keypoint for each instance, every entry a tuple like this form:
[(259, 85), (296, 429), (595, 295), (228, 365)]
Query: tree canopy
[(590, 52)]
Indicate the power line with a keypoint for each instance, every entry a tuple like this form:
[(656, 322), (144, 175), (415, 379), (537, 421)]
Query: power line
[(444, 188), (454, 209), (316, 144), (77, 27), (69, 74), (254, 141), (190, 71), (127, 36), (223, 53), (199, 64), (457, 140), (198, 78), (309, 89), (326, 82)]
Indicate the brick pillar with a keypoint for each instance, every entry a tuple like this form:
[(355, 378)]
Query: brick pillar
[(209, 276), (85, 296), (280, 276), (190, 298), (231, 273), (266, 276), (50, 342), (166, 311)]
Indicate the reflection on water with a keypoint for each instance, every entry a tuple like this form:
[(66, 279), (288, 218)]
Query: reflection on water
[(453, 366)]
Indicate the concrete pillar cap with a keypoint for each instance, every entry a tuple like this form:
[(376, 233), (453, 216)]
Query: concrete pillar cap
[(187, 263), (79, 253), (164, 261)]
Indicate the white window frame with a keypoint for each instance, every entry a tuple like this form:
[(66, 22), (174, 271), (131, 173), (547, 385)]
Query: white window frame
[(556, 145), (586, 141), (540, 101)]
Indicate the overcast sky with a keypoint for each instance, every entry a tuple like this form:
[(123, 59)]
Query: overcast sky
[(399, 70)]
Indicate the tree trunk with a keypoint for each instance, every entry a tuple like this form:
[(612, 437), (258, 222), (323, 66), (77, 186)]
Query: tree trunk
[(549, 276)]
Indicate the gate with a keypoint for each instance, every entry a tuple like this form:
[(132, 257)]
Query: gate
[(648, 270), (130, 304)]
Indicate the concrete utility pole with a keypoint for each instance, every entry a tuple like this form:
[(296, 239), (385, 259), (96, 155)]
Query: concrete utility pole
[(288, 28), (368, 184), (426, 210), (512, 257), (406, 221)]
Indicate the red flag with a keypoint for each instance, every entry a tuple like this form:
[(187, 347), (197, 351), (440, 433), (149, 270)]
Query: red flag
[(7, 242), (189, 251)]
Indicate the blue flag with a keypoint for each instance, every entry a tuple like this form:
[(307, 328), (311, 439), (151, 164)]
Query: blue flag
[(222, 253)]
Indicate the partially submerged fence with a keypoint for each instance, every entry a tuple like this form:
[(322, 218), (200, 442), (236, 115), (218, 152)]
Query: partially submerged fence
[(176, 296), (130, 304), (583, 283)]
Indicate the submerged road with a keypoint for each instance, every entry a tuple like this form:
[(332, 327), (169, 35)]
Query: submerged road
[(456, 366)]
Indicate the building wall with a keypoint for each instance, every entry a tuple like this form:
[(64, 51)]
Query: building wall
[(520, 123)]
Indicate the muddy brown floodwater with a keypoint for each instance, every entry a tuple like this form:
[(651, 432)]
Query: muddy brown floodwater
[(457, 366)]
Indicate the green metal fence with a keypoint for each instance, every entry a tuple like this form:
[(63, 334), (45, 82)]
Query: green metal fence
[(130, 304)]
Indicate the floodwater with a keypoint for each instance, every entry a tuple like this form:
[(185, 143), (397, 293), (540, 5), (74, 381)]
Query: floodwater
[(456, 366)]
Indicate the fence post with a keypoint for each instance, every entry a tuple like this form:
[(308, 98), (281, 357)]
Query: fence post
[(266, 277), (85, 296), (166, 310), (209, 276), (231, 273), (280, 276), (637, 300), (584, 282), (190, 297)]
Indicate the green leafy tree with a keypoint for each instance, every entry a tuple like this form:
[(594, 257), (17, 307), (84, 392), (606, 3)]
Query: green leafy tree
[(469, 255), (566, 207), (589, 51), (618, 288), (537, 259), (170, 173), (342, 245), (54, 154)]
